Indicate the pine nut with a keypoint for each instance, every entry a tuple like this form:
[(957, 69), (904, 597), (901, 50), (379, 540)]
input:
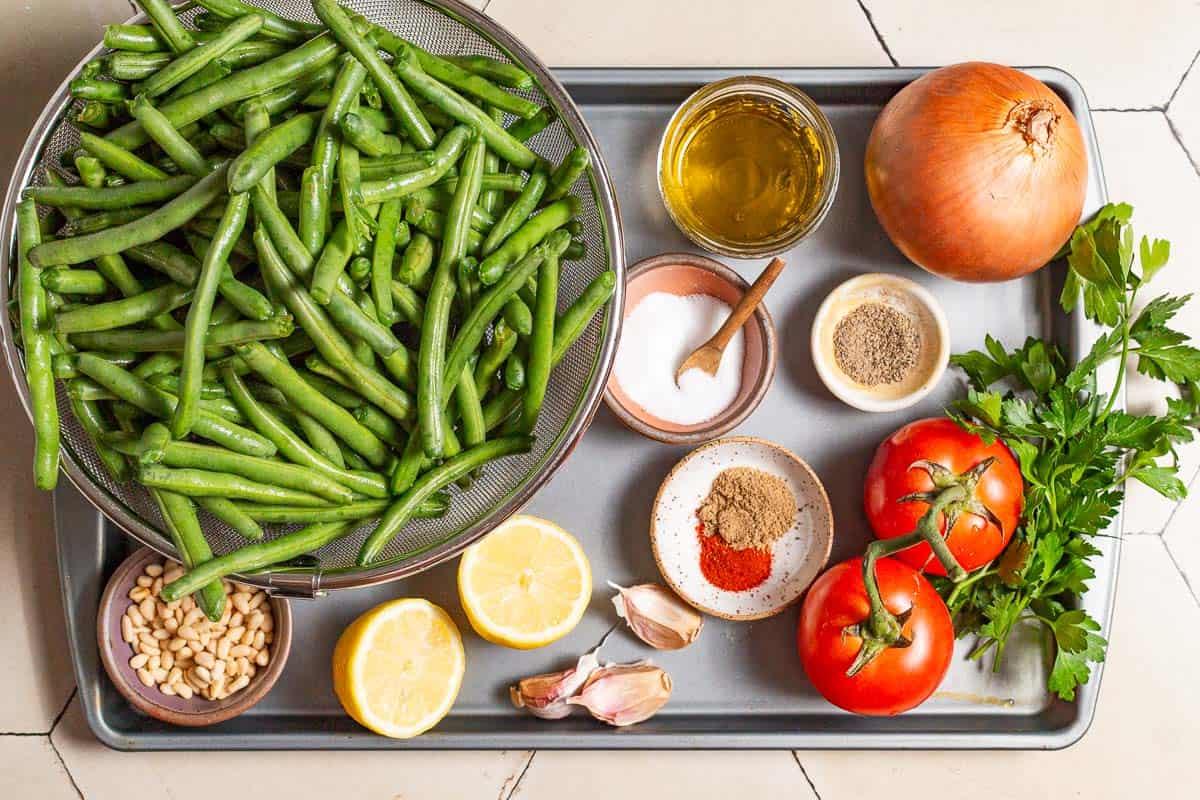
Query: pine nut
[(159, 674), (192, 616), (194, 677), (145, 677), (168, 659), (177, 644), (258, 599), (174, 675), (263, 658), (260, 639), (154, 570), (167, 689), (227, 586), (186, 652), (269, 638), (236, 619), (256, 620), (239, 683), (241, 651), (170, 624), (138, 661), (188, 632), (241, 601), (160, 634), (218, 684), (268, 623), (247, 638), (184, 691), (218, 669), (206, 659), (154, 663), (243, 664), (211, 645), (138, 593), (145, 581), (203, 672), (236, 633), (156, 587), (127, 632), (165, 612), (251, 670), (187, 603), (223, 648)]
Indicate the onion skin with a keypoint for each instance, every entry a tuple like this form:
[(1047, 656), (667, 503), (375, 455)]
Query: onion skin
[(977, 172)]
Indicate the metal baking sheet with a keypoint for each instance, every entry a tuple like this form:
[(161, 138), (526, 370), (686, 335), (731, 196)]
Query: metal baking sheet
[(740, 685)]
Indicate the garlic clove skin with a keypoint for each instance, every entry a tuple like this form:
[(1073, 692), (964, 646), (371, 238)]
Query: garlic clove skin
[(657, 616), (546, 695), (624, 694)]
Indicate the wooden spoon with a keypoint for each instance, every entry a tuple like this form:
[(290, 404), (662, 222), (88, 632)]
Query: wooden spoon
[(708, 355)]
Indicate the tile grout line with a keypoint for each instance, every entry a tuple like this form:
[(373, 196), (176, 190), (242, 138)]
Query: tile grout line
[(804, 772), (1178, 86), (1171, 517), (53, 723), (520, 777), (1140, 110), (1179, 569), (66, 769), (1179, 139), (878, 36)]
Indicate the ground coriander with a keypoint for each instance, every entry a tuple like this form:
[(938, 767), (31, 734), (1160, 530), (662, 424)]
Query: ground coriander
[(876, 344), (748, 508)]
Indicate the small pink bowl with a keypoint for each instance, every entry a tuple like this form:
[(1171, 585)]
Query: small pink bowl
[(685, 274)]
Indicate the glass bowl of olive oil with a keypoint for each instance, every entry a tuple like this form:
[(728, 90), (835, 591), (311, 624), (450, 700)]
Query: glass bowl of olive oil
[(748, 166)]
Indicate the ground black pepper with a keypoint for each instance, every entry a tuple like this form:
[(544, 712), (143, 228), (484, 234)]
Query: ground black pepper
[(876, 344)]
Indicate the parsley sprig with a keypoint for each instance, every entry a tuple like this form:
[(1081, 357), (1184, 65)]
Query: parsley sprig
[(1076, 449)]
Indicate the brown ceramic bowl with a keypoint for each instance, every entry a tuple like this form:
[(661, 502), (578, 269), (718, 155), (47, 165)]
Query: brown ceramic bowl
[(686, 274), (195, 711)]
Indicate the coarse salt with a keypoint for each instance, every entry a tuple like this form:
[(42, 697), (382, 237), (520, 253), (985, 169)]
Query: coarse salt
[(657, 336)]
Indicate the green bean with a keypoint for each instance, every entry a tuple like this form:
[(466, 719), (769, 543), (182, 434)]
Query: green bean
[(435, 480), (96, 89), (469, 409), (502, 72), (470, 332), (435, 325), (468, 284), (394, 94), (92, 420), (433, 223), (135, 66), (274, 26), (119, 159), (437, 200), (491, 199), (369, 140), (205, 483), (85, 389), (541, 344), (283, 98), (133, 38), (525, 129), (288, 476), (514, 370), (312, 211), (335, 255), (380, 424), (39, 348), (215, 263), (279, 71), (63, 363), (291, 446), (575, 251), (567, 173), (350, 192), (416, 260), (437, 118), (345, 89), (435, 506), (410, 305), (157, 364), (321, 440), (170, 384), (339, 421), (518, 316), (198, 57), (381, 260), (122, 313), (149, 228), (504, 339), (539, 226), (223, 335), (228, 512), (517, 213), (96, 115), (185, 156), (344, 397), (569, 326), (88, 198), (243, 247), (269, 149), (385, 167), (75, 281), (445, 155), (184, 528), (184, 269), (91, 173), (256, 122), (103, 220), (167, 25), (160, 404), (461, 109), (259, 554), (213, 72)]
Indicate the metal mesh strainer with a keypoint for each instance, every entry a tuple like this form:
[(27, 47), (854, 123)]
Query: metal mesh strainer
[(444, 27)]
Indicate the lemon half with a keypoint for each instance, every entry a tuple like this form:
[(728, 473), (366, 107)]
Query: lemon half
[(397, 668), (525, 584)]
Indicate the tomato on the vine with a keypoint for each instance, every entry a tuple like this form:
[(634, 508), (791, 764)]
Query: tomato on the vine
[(897, 677), (923, 458)]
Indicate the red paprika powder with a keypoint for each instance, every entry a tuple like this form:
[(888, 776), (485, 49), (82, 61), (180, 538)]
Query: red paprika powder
[(730, 569)]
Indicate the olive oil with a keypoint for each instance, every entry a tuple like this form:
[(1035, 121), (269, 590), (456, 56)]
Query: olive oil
[(744, 171)]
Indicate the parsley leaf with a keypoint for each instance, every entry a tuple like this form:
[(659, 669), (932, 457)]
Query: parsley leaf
[(1076, 450)]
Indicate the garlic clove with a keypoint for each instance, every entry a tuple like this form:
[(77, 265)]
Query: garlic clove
[(546, 695), (657, 616), (624, 694)]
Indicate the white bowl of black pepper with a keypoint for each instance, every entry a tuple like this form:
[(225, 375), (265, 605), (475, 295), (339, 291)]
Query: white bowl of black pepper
[(880, 342)]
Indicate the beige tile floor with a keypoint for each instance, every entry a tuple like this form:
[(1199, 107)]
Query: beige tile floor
[(1132, 58)]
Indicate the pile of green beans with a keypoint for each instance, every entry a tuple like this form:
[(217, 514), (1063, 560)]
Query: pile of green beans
[(295, 273)]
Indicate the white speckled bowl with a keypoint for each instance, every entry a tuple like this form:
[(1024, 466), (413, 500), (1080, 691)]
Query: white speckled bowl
[(796, 558)]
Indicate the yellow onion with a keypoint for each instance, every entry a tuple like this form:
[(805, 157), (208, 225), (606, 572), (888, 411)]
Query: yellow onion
[(977, 172)]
